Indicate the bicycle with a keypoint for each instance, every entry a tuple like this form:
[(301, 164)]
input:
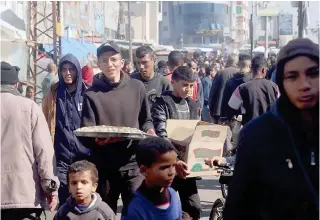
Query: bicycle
[(218, 205)]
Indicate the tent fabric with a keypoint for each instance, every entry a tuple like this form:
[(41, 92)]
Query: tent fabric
[(80, 49)]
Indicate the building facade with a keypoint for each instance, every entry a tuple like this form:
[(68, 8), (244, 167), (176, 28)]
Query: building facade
[(194, 22)]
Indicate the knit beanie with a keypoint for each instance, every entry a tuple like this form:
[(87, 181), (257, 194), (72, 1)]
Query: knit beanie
[(9, 74)]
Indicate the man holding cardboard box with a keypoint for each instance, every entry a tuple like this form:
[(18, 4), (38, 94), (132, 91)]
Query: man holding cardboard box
[(178, 105)]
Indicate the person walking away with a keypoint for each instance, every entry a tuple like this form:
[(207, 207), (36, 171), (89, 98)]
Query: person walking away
[(154, 82), (178, 105), (255, 96), (277, 166), (207, 83), (50, 79), (175, 59), (218, 85), (62, 108), (84, 203), (30, 93), (163, 68), (87, 75), (115, 99), (155, 199), (28, 179), (244, 75)]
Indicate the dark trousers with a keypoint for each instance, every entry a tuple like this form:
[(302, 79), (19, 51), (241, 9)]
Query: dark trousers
[(21, 214), (189, 197), (63, 192), (113, 183)]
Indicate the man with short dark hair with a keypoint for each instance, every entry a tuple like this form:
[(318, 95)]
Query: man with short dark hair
[(255, 96), (116, 99), (30, 93), (175, 59), (154, 82), (218, 85), (244, 75)]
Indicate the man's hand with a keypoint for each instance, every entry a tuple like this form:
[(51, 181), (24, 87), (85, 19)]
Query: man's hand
[(182, 169), (215, 160), (110, 140), (52, 201), (151, 132)]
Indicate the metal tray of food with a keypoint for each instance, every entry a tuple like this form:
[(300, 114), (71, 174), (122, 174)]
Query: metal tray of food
[(104, 131)]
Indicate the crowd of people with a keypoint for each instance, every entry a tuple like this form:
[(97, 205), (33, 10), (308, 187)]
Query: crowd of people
[(273, 135)]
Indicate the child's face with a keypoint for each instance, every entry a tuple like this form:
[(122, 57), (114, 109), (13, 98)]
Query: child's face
[(162, 172), (183, 88), (81, 187)]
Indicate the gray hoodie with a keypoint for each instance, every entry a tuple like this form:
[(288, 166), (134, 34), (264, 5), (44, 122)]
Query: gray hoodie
[(97, 210)]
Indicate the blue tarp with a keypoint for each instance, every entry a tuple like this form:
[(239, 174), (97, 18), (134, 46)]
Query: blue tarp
[(78, 48)]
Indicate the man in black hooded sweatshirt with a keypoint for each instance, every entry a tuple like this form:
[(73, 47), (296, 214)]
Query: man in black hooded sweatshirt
[(115, 99), (276, 173)]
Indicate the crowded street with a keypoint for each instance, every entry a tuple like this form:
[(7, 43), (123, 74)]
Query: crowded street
[(159, 110)]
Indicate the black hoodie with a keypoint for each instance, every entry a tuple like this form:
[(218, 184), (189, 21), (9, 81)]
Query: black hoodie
[(116, 104), (276, 174)]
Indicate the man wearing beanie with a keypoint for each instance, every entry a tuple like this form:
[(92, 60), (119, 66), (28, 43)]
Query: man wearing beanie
[(62, 108), (276, 173), (27, 169)]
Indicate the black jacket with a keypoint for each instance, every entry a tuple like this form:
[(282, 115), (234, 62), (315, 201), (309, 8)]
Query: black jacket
[(231, 85), (164, 109), (273, 177), (217, 89)]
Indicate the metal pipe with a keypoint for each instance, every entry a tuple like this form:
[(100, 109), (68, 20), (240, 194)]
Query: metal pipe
[(300, 19), (129, 32), (267, 39)]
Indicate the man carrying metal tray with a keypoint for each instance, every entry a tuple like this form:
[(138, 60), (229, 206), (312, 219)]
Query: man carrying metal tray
[(115, 99)]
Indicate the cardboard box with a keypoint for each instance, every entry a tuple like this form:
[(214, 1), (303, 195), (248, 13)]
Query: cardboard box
[(202, 140)]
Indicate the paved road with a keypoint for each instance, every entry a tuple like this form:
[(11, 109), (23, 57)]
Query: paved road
[(209, 190)]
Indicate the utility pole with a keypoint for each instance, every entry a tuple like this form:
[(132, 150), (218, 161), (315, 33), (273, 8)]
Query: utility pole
[(181, 40), (300, 19), (130, 37), (267, 38), (251, 33)]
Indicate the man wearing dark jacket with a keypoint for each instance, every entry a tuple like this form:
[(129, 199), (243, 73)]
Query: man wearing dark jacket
[(115, 99), (255, 96), (62, 108), (244, 75), (277, 166), (154, 82), (218, 85)]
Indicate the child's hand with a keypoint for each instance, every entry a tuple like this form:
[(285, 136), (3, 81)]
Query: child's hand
[(215, 160), (182, 169), (52, 201)]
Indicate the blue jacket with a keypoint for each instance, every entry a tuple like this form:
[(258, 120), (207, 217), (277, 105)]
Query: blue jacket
[(68, 118), (206, 84)]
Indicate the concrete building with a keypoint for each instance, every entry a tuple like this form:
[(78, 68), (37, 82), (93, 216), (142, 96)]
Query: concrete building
[(145, 18), (241, 33), (194, 22)]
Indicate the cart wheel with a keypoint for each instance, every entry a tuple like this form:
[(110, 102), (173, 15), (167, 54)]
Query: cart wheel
[(217, 209)]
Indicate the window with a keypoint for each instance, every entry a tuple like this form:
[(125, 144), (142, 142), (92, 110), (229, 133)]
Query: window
[(164, 13), (165, 28), (160, 6), (179, 9), (227, 9), (212, 7)]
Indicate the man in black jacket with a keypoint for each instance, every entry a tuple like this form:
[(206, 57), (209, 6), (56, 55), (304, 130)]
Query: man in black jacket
[(154, 82), (115, 99), (178, 105), (244, 75), (218, 85)]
